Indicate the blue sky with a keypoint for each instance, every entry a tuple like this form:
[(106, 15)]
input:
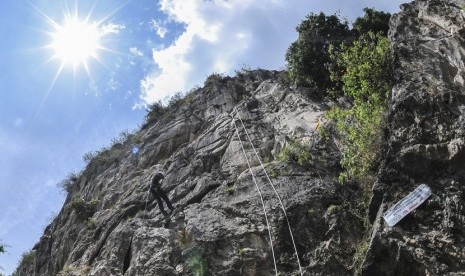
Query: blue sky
[(49, 118)]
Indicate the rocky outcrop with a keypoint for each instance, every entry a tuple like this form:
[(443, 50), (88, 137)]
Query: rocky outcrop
[(426, 144), (219, 218), (206, 144)]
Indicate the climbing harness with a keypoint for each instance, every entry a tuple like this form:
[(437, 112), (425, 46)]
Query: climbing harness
[(271, 184), (261, 198)]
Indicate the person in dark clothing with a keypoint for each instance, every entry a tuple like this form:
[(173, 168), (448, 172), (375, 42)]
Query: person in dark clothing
[(158, 193)]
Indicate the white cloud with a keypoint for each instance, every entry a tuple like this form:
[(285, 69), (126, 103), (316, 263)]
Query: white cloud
[(221, 35), (159, 27), (111, 28), (136, 52)]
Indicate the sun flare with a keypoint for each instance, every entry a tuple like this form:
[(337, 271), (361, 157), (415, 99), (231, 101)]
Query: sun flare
[(76, 41)]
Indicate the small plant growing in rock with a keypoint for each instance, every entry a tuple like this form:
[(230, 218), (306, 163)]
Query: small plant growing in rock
[(91, 223), (27, 259), (295, 151), (184, 238), (198, 265), (67, 184), (83, 209), (215, 77), (274, 173), (230, 190), (241, 253)]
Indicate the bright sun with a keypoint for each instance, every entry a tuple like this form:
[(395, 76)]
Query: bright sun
[(75, 41)]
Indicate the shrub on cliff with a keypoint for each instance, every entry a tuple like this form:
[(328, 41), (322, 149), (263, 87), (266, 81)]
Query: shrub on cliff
[(83, 209), (66, 185), (365, 78), (27, 260)]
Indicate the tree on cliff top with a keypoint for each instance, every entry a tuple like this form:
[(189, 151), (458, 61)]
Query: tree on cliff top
[(308, 55), (308, 58), (373, 21)]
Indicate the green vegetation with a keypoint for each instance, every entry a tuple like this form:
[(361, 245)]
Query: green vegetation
[(83, 209), (91, 223), (184, 238), (192, 253), (309, 60), (198, 265), (274, 173), (360, 252), (230, 190), (155, 112), (366, 80), (351, 63), (67, 184), (27, 260), (373, 21), (355, 64), (103, 156), (308, 57), (158, 110), (241, 253), (213, 78), (295, 151), (113, 153)]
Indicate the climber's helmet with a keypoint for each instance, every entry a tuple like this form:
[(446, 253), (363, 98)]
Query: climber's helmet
[(159, 176)]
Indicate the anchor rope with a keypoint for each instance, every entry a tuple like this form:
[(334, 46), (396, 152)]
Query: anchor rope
[(261, 198), (276, 193)]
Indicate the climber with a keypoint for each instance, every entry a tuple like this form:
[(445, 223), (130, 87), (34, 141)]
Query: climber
[(158, 193)]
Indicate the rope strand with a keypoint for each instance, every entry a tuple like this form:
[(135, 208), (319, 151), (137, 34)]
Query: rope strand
[(261, 198), (276, 193)]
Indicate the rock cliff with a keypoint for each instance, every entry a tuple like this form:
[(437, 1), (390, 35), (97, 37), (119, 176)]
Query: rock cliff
[(219, 218), (208, 146), (425, 145)]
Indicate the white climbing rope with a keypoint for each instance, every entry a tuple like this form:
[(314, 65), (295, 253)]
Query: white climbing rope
[(261, 197), (275, 191), (145, 210)]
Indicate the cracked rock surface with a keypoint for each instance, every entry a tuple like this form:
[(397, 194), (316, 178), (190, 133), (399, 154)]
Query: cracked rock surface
[(219, 220), (426, 145), (219, 213)]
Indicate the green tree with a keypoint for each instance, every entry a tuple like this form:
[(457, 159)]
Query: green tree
[(308, 57), (154, 112), (373, 21), (366, 81)]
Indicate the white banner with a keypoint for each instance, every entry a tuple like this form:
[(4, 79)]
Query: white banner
[(407, 205)]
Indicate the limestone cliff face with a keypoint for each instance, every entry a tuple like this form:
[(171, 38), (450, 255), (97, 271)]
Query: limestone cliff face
[(220, 223), (220, 218), (426, 144)]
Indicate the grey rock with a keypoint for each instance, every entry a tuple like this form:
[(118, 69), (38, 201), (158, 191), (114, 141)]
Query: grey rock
[(426, 145), (219, 217), (208, 179)]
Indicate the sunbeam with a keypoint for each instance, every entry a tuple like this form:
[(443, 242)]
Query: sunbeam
[(76, 40)]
